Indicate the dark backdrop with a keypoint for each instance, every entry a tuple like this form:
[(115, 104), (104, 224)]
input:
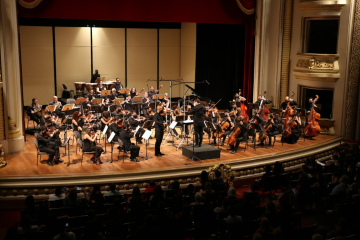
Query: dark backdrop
[(220, 61)]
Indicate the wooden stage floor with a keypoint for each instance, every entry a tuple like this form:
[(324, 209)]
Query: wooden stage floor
[(23, 164)]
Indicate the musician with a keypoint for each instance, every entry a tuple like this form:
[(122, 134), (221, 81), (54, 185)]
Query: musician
[(316, 108), (235, 110), (105, 104), (176, 112), (166, 99), (151, 92), (90, 145), (77, 124), (265, 101), (243, 136), (198, 111), (33, 111), (287, 100), (91, 95), (127, 103), (95, 76), (214, 112), (113, 95), (274, 128), (134, 122), (86, 104), (105, 120), (208, 118), (116, 127), (133, 92), (46, 116), (159, 130), (229, 129), (57, 110), (118, 85), (55, 133), (100, 88), (118, 111), (238, 98), (296, 132), (148, 114), (88, 118), (125, 136), (46, 145), (145, 101)]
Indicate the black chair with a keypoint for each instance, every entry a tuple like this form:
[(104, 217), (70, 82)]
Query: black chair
[(81, 145), (280, 129), (305, 232), (252, 137), (38, 153)]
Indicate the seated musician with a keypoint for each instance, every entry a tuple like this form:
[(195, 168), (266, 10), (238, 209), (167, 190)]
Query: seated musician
[(285, 103), (100, 88), (77, 124), (166, 99), (125, 136), (133, 92), (134, 122), (116, 127), (90, 145), (113, 95), (43, 119), (127, 103), (230, 128), (104, 105), (57, 110), (91, 95), (89, 120), (274, 129), (86, 104), (296, 132), (151, 92), (105, 120), (236, 109), (176, 112), (117, 111), (118, 85), (145, 101), (33, 111), (47, 145), (243, 136), (55, 133)]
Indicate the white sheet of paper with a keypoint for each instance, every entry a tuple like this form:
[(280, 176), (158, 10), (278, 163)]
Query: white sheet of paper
[(105, 130), (136, 130), (173, 125), (146, 135), (188, 121), (112, 135)]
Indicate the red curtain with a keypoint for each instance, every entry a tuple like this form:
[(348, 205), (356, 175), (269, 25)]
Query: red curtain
[(248, 60)]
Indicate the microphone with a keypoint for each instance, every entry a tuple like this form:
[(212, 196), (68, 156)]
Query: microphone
[(207, 82)]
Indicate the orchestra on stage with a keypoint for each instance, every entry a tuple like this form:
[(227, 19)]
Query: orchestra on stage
[(109, 111)]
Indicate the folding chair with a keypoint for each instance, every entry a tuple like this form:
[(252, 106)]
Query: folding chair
[(38, 153)]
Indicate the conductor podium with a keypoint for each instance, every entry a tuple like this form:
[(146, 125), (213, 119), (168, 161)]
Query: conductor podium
[(204, 152)]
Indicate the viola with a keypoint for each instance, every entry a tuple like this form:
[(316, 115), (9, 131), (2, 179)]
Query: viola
[(312, 128)]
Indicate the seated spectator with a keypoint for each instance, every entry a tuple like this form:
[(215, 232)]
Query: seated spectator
[(208, 189), (265, 228), (233, 217), (270, 213), (64, 234), (278, 168), (30, 206), (198, 199), (341, 229), (253, 191), (204, 178), (257, 236), (25, 225), (174, 186), (58, 195), (158, 194), (151, 186), (96, 188), (267, 173), (224, 207), (317, 237), (305, 170), (112, 191), (190, 190), (71, 200), (135, 196), (97, 199), (342, 187), (232, 193), (217, 179)]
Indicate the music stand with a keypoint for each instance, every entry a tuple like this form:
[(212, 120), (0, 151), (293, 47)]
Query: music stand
[(148, 124), (113, 108), (171, 127), (258, 128), (79, 101), (185, 124), (112, 135), (137, 99), (68, 145), (97, 101), (219, 129), (118, 101), (50, 108), (146, 136), (95, 108), (105, 92), (98, 80), (222, 115), (104, 134)]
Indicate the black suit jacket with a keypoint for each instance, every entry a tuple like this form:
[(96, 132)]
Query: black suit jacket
[(199, 114), (125, 137), (94, 77), (114, 128), (42, 141), (159, 121)]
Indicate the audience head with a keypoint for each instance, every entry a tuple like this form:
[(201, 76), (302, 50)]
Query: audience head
[(58, 191), (198, 197), (30, 202), (232, 192), (152, 183), (136, 192), (217, 174), (317, 237), (112, 187), (344, 179), (204, 177), (73, 194), (190, 189), (267, 168)]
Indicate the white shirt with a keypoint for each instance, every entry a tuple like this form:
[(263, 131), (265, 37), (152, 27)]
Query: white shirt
[(54, 197)]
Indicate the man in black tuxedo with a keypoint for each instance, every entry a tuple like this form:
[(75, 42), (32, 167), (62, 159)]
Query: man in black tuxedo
[(125, 136), (95, 76), (198, 111)]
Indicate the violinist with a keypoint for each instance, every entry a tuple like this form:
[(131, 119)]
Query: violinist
[(243, 136), (57, 110), (214, 112), (159, 130), (230, 128), (33, 111), (176, 112), (48, 146), (287, 100), (118, 86), (77, 124), (127, 103), (234, 111), (149, 114), (116, 127), (88, 118), (47, 115), (198, 111), (91, 95), (133, 92), (54, 132), (105, 120), (90, 145), (134, 121), (145, 101), (207, 118), (273, 129), (118, 111), (125, 136), (100, 88), (295, 131), (86, 104)]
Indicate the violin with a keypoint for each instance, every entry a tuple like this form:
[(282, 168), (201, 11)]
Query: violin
[(312, 128)]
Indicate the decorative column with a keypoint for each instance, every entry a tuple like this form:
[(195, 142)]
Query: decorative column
[(10, 61), (285, 61), (353, 78)]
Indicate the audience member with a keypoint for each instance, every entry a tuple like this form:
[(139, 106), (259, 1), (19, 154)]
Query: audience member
[(278, 168), (71, 200), (232, 193), (217, 179), (151, 186), (112, 191), (265, 228), (58, 195), (63, 232), (198, 199), (342, 187), (232, 215), (26, 226)]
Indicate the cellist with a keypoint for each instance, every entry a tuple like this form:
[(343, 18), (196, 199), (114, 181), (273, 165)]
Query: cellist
[(230, 128), (243, 136), (273, 129), (287, 100), (264, 101)]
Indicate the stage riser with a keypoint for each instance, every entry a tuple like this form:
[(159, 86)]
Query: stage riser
[(202, 153)]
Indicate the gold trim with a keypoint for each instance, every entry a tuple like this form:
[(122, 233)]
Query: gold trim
[(29, 5), (246, 11), (308, 5)]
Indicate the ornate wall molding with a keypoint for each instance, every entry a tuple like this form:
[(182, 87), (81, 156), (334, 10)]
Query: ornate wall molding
[(286, 47), (309, 5), (353, 77)]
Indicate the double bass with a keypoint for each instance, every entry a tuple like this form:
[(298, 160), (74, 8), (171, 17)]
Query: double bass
[(263, 110), (243, 110), (289, 111), (312, 128), (291, 124)]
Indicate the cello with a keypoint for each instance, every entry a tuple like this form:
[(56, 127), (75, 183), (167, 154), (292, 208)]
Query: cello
[(243, 109), (289, 111), (263, 110), (312, 128), (267, 128), (235, 133), (287, 132), (224, 125)]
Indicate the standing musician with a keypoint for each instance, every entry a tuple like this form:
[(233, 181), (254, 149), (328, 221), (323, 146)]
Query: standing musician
[(134, 122), (77, 124), (113, 95), (238, 98), (152, 91), (287, 100), (243, 136), (159, 130), (198, 111), (125, 136), (95, 76), (265, 101), (100, 88), (90, 146), (47, 145), (86, 104), (133, 92), (316, 108), (33, 111), (127, 102), (57, 110), (118, 85), (229, 129), (145, 101)]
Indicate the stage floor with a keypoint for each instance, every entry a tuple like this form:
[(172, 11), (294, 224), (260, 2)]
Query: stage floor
[(22, 165)]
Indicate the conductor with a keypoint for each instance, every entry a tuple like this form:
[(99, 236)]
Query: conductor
[(198, 111)]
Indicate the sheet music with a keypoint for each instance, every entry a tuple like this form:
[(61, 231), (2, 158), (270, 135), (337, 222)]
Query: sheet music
[(173, 125), (136, 130), (146, 135), (112, 135), (105, 130), (188, 121)]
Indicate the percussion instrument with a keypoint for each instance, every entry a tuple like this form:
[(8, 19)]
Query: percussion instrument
[(79, 87), (109, 85), (92, 86)]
